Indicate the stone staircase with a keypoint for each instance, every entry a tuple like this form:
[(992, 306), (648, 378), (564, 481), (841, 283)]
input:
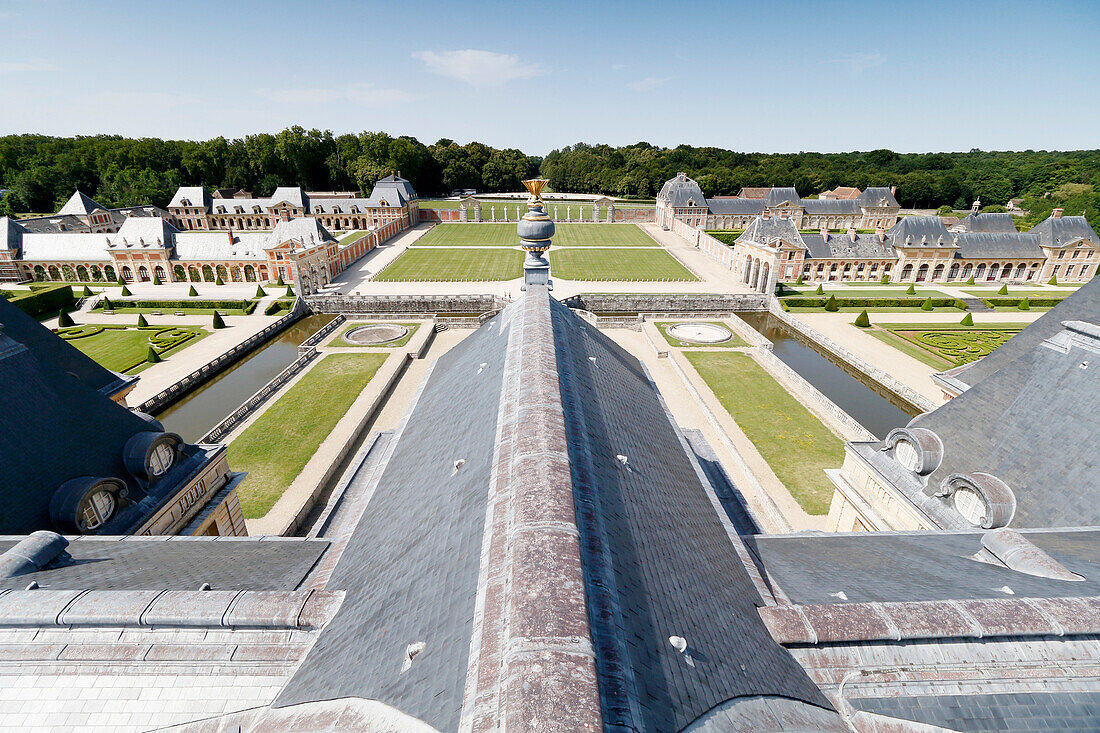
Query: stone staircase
[(976, 305)]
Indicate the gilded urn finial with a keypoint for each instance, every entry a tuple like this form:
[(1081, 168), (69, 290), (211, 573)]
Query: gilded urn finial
[(535, 231)]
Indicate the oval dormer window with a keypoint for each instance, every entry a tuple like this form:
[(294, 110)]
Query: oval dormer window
[(160, 459), (970, 504), (96, 508), (908, 455)]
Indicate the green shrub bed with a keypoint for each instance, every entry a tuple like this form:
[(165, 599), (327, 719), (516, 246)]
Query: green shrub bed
[(201, 306), (1015, 302), (125, 348), (806, 302), (42, 302), (957, 345)]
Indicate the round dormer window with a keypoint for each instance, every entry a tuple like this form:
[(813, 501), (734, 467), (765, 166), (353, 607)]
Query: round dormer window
[(96, 508), (160, 459), (907, 455), (970, 504)]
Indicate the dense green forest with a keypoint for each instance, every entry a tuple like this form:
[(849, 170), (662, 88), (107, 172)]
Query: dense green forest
[(41, 172)]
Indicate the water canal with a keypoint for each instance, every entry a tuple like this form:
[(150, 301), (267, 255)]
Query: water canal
[(194, 415), (871, 405)]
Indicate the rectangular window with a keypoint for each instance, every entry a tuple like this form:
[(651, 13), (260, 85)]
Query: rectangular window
[(1061, 253)]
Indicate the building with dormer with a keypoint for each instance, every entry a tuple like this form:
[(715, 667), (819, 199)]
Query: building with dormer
[(193, 208), (682, 198), (81, 213)]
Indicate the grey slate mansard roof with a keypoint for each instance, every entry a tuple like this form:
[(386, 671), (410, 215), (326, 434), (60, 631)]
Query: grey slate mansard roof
[(657, 559), (175, 564), (736, 207), (916, 231), (57, 426), (79, 205), (680, 190), (878, 196), (1057, 232), (972, 245), (1084, 305), (1032, 423), (840, 246), (992, 223)]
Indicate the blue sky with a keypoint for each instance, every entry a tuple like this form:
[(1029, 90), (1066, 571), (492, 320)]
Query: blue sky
[(824, 76)]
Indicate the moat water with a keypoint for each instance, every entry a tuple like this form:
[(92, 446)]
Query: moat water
[(866, 401), (194, 415)]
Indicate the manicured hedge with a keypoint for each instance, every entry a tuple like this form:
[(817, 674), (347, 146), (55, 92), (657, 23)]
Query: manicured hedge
[(43, 301), (277, 306), (873, 302), (1015, 302), (247, 305)]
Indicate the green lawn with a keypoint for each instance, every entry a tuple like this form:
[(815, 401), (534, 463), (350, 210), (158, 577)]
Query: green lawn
[(351, 237), (486, 204), (449, 265), (811, 291), (857, 309), (946, 345), (602, 235), (339, 341), (470, 235), (733, 342), (126, 348), (793, 442), (617, 265), (1018, 293), (275, 448)]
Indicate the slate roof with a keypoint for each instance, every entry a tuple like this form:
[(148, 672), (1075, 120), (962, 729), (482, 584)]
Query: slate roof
[(1058, 232), (396, 190), (176, 564), (736, 207), (11, 234), (878, 196), (839, 246), (831, 206), (754, 193), (917, 231), (1017, 712), (680, 190), (410, 569), (1083, 305), (977, 245), (918, 566), (57, 427), (672, 569), (216, 246), (767, 231), (197, 195), (1032, 424), (779, 195), (79, 205), (994, 222)]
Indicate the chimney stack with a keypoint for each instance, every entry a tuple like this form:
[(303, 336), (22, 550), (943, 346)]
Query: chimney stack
[(976, 205), (284, 215), (765, 215), (893, 190), (880, 232), (1057, 213), (825, 234), (852, 233)]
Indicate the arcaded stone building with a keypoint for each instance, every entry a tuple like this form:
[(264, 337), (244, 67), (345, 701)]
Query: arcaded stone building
[(787, 238), (682, 198)]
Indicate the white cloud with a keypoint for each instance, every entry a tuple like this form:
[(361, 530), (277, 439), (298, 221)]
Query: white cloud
[(361, 94), (17, 67), (857, 62), (647, 84), (478, 68)]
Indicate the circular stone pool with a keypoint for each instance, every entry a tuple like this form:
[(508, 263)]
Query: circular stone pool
[(375, 334), (700, 333)]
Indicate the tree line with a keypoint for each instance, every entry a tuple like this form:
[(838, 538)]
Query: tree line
[(40, 172)]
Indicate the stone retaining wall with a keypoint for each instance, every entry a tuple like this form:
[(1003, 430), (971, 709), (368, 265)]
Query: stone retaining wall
[(412, 304), (217, 365), (700, 303), (902, 391)]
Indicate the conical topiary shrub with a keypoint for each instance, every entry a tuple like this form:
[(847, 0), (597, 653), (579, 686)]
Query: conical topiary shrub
[(1024, 304), (152, 356), (970, 281), (141, 321), (1003, 290), (107, 303), (1053, 280), (125, 291), (121, 281), (863, 320), (820, 290), (885, 280), (192, 292), (260, 292), (927, 305), (289, 291), (218, 322), (156, 279), (218, 280), (280, 282), (86, 293), (911, 290), (968, 320), (64, 320), (831, 304)]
